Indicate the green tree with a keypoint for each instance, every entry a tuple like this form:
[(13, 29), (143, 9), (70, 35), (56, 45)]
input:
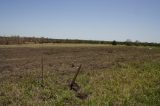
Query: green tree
[(114, 43)]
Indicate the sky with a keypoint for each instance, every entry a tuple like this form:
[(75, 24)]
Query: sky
[(82, 19)]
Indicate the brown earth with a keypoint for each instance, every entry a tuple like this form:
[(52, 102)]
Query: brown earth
[(17, 61)]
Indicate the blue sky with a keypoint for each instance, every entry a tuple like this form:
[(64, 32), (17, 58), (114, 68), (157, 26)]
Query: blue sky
[(82, 19)]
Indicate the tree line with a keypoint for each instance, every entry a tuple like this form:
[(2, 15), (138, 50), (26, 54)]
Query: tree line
[(9, 40)]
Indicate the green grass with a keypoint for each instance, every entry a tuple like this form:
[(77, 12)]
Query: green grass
[(133, 84), (127, 86)]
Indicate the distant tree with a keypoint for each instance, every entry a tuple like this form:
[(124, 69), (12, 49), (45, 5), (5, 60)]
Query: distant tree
[(114, 43), (128, 42), (42, 40), (137, 43)]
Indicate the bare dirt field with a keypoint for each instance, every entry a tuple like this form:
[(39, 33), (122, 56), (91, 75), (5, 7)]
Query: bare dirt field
[(21, 62), (60, 58)]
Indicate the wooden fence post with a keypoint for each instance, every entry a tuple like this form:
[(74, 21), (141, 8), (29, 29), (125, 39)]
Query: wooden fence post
[(74, 78)]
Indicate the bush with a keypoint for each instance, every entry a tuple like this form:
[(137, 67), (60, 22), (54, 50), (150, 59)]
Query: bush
[(114, 43)]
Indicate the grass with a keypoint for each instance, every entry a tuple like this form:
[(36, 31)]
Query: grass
[(128, 82), (133, 84), (127, 86)]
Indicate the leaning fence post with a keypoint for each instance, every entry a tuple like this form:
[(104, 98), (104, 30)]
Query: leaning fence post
[(75, 76)]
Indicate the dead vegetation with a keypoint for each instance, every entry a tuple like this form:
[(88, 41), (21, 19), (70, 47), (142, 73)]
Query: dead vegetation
[(46, 78)]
